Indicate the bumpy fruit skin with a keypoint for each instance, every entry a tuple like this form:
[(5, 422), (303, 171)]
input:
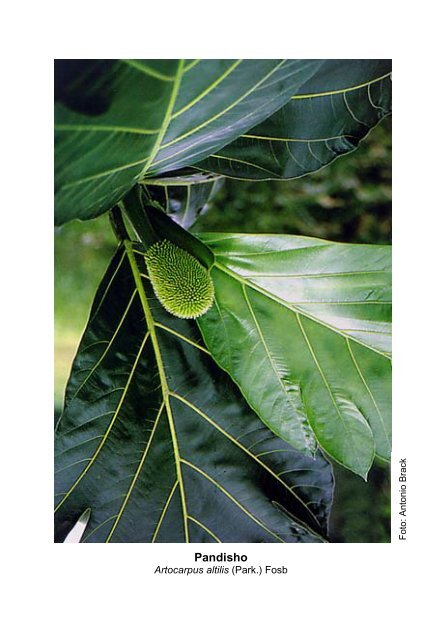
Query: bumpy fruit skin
[(182, 285)]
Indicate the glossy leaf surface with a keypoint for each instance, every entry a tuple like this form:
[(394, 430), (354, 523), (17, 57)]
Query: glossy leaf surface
[(325, 118), (303, 327), (117, 121), (159, 444)]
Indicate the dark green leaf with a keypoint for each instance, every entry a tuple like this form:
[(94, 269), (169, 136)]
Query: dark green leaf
[(326, 117), (100, 154), (118, 121), (303, 327), (159, 443)]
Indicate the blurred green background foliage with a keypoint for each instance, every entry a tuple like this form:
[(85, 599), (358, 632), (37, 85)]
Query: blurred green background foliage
[(347, 201)]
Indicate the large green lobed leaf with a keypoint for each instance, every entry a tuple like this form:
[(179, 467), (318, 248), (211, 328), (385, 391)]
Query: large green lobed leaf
[(325, 118), (160, 445), (117, 121), (303, 327)]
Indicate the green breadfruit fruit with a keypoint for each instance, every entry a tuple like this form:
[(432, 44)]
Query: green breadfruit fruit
[(181, 283)]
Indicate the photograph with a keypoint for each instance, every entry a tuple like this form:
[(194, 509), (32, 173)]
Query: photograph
[(223, 301)]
